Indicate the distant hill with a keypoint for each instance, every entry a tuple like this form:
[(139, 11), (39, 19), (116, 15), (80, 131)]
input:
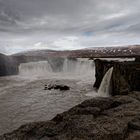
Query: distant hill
[(124, 51)]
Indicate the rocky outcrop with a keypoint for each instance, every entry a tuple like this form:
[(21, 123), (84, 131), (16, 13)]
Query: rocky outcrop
[(101, 67), (125, 77), (57, 87), (112, 118), (8, 65)]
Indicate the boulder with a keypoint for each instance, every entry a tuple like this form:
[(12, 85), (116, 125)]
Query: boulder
[(56, 87)]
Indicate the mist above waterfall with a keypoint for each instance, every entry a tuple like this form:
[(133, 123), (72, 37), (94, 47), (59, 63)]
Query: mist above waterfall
[(35, 68)]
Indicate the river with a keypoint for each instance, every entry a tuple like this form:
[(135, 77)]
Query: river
[(23, 98)]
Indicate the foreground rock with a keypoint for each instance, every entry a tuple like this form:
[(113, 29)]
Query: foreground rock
[(113, 118), (125, 77)]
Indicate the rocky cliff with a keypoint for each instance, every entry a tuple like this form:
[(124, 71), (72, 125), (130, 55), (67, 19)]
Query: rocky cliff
[(113, 118), (125, 77), (8, 65)]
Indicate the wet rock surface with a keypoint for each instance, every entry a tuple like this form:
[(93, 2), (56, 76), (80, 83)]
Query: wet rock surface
[(125, 77), (8, 65), (112, 118)]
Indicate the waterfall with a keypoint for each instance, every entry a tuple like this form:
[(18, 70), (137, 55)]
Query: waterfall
[(35, 68), (67, 67), (105, 86), (79, 66)]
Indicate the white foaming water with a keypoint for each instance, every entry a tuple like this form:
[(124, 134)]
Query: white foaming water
[(78, 67), (118, 59), (35, 68), (104, 89), (71, 69)]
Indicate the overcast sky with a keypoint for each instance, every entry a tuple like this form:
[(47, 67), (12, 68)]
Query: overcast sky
[(67, 24)]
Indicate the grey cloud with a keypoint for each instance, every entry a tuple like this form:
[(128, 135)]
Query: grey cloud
[(8, 16), (40, 20)]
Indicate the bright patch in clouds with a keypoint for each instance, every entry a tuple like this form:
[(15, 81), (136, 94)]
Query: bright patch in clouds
[(67, 43), (113, 16)]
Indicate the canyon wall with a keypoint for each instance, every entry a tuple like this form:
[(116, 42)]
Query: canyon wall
[(125, 77)]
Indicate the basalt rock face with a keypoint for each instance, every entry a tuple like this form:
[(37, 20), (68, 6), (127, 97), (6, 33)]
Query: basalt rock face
[(137, 59), (8, 65), (125, 77), (112, 118), (101, 67)]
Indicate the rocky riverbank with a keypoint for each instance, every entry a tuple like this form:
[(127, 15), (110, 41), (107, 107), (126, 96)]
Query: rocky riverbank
[(113, 118)]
